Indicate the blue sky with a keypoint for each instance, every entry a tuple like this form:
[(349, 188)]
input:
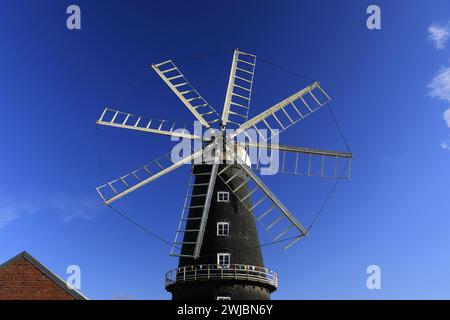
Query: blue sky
[(390, 90)]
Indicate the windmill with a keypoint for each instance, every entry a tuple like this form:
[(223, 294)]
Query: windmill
[(217, 240)]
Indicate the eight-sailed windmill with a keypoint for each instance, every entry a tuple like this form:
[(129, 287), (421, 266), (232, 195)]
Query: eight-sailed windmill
[(216, 240)]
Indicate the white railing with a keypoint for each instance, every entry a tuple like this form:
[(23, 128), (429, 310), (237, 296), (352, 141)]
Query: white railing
[(222, 272)]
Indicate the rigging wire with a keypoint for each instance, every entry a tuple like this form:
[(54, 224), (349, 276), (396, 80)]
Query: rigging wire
[(338, 126), (132, 221), (203, 56), (333, 188), (316, 216), (327, 198), (262, 245), (99, 155), (120, 213), (100, 158), (129, 86), (277, 241), (286, 70), (333, 116)]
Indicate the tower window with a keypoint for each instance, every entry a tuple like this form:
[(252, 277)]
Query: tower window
[(223, 229), (223, 196), (223, 298), (223, 259)]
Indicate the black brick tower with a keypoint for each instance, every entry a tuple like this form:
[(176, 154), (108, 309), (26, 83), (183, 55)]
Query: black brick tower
[(241, 277)]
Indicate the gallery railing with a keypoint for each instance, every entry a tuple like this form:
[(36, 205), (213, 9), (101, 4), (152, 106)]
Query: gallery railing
[(222, 272)]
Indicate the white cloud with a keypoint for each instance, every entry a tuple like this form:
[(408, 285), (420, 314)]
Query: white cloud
[(446, 144), (439, 87), (7, 215), (11, 209), (438, 35), (446, 116), (67, 208)]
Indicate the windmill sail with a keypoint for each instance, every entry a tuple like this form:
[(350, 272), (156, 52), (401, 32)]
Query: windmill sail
[(239, 91), (178, 83), (267, 208), (197, 204), (194, 214), (119, 119), (286, 113), (217, 240), (116, 189), (305, 161), (209, 194)]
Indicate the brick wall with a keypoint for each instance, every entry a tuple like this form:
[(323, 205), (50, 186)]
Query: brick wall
[(21, 280)]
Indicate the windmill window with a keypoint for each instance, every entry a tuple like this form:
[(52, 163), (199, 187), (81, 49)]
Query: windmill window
[(223, 259), (223, 229), (223, 196), (223, 298)]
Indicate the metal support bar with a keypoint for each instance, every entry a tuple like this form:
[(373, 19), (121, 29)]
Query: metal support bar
[(226, 106), (143, 129), (274, 199), (154, 177), (212, 182), (270, 111), (299, 149), (292, 242), (275, 222), (174, 87)]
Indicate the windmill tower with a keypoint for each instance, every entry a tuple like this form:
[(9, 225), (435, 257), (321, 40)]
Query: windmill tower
[(217, 240)]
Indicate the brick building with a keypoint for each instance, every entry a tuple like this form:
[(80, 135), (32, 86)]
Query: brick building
[(25, 278)]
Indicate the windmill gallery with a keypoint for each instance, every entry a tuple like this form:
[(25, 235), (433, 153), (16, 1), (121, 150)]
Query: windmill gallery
[(217, 241)]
